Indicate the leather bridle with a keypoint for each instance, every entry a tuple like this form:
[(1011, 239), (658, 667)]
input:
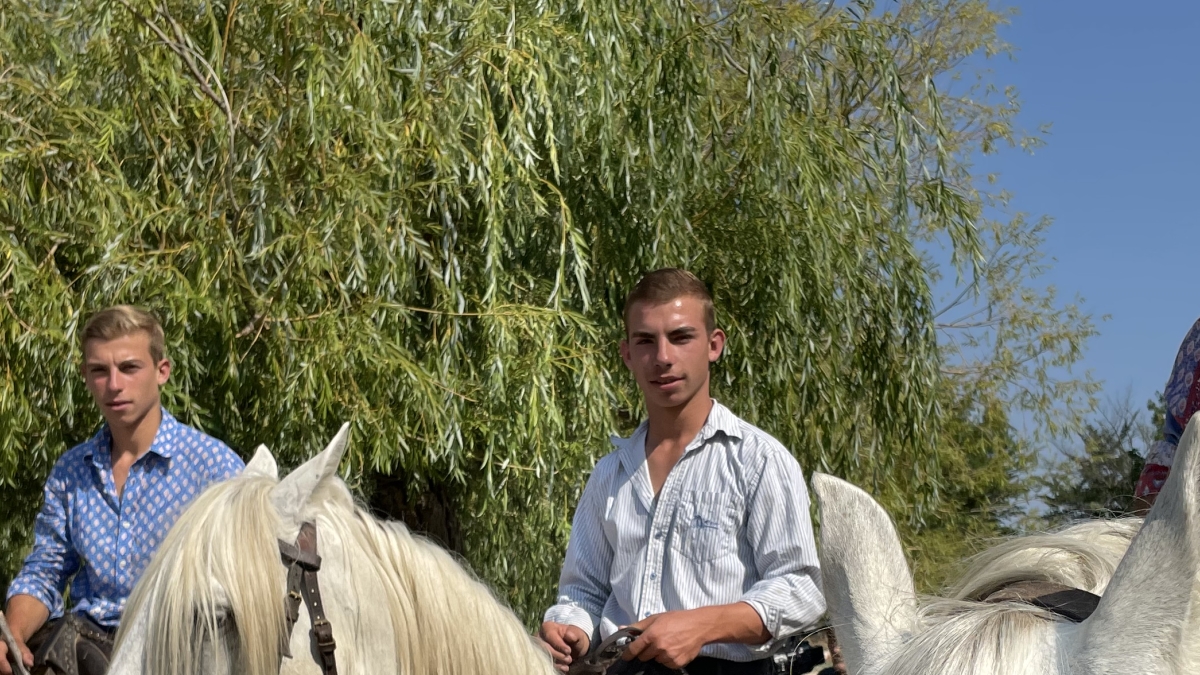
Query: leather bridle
[(303, 563)]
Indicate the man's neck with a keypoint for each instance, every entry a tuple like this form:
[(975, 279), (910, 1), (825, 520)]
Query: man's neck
[(133, 441), (677, 426)]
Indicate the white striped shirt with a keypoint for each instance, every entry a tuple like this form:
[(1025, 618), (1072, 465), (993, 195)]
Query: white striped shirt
[(731, 523)]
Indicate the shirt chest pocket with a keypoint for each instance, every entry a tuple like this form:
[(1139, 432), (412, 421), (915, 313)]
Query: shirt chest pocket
[(706, 525)]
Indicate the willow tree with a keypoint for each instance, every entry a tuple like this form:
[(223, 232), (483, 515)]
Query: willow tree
[(422, 217)]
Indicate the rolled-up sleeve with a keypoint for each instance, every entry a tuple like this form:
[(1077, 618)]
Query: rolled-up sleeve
[(583, 585), (787, 596), (53, 560)]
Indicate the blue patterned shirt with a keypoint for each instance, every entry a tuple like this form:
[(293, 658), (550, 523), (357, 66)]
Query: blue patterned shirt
[(104, 541)]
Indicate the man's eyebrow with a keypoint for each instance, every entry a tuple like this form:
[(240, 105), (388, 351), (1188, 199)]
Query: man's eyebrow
[(682, 331), (641, 333)]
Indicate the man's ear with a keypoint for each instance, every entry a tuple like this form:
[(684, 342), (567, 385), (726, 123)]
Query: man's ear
[(716, 345), (164, 371)]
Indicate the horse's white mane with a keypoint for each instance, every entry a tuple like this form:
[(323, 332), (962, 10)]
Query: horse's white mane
[(1145, 621), (1083, 555), (960, 634), (446, 620), (443, 619)]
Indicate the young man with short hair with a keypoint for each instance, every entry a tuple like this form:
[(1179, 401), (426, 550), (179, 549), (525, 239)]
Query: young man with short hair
[(110, 500), (696, 530)]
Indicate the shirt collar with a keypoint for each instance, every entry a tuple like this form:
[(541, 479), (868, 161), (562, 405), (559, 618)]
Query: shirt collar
[(632, 450), (720, 420), (100, 449)]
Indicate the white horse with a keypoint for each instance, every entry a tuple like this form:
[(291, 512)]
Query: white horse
[(212, 599), (1145, 621)]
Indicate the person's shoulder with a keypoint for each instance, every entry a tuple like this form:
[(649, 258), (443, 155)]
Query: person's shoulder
[(77, 455), (204, 441), (195, 440), (74, 463), (608, 463), (759, 451), (189, 434), (756, 441), (79, 452), (606, 468)]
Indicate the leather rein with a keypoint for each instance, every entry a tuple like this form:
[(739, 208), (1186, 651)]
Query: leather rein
[(303, 563)]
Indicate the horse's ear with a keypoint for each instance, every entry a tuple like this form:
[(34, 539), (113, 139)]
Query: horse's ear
[(1146, 613), (296, 489), (868, 587), (262, 464)]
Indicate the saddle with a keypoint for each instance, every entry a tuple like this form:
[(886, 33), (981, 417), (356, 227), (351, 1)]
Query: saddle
[(73, 645)]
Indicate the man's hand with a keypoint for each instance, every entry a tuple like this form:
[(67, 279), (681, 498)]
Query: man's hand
[(564, 642), (26, 656), (674, 639), (24, 615)]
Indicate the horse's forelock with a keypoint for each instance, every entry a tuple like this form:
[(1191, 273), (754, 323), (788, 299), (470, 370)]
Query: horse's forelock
[(220, 557)]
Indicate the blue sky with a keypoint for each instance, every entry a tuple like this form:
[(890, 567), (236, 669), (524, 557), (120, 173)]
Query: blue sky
[(1119, 83)]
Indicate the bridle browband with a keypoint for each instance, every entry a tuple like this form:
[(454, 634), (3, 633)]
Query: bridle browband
[(303, 563)]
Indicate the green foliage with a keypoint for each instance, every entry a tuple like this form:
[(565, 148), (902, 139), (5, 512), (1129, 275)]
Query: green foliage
[(1097, 479), (1157, 407), (422, 218), (985, 476)]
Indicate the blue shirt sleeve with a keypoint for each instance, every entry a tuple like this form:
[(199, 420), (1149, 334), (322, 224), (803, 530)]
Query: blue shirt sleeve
[(228, 464), (53, 561)]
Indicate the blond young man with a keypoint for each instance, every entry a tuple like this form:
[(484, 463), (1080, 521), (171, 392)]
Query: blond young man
[(110, 500), (696, 529)]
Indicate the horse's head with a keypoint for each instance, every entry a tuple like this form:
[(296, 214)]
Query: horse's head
[(213, 599), (1144, 622)]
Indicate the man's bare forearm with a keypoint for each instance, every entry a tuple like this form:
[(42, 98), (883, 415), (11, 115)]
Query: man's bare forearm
[(737, 623), (25, 614)]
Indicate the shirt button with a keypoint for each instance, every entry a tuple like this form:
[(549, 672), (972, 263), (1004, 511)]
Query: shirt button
[(653, 575), (658, 535), (124, 564)]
